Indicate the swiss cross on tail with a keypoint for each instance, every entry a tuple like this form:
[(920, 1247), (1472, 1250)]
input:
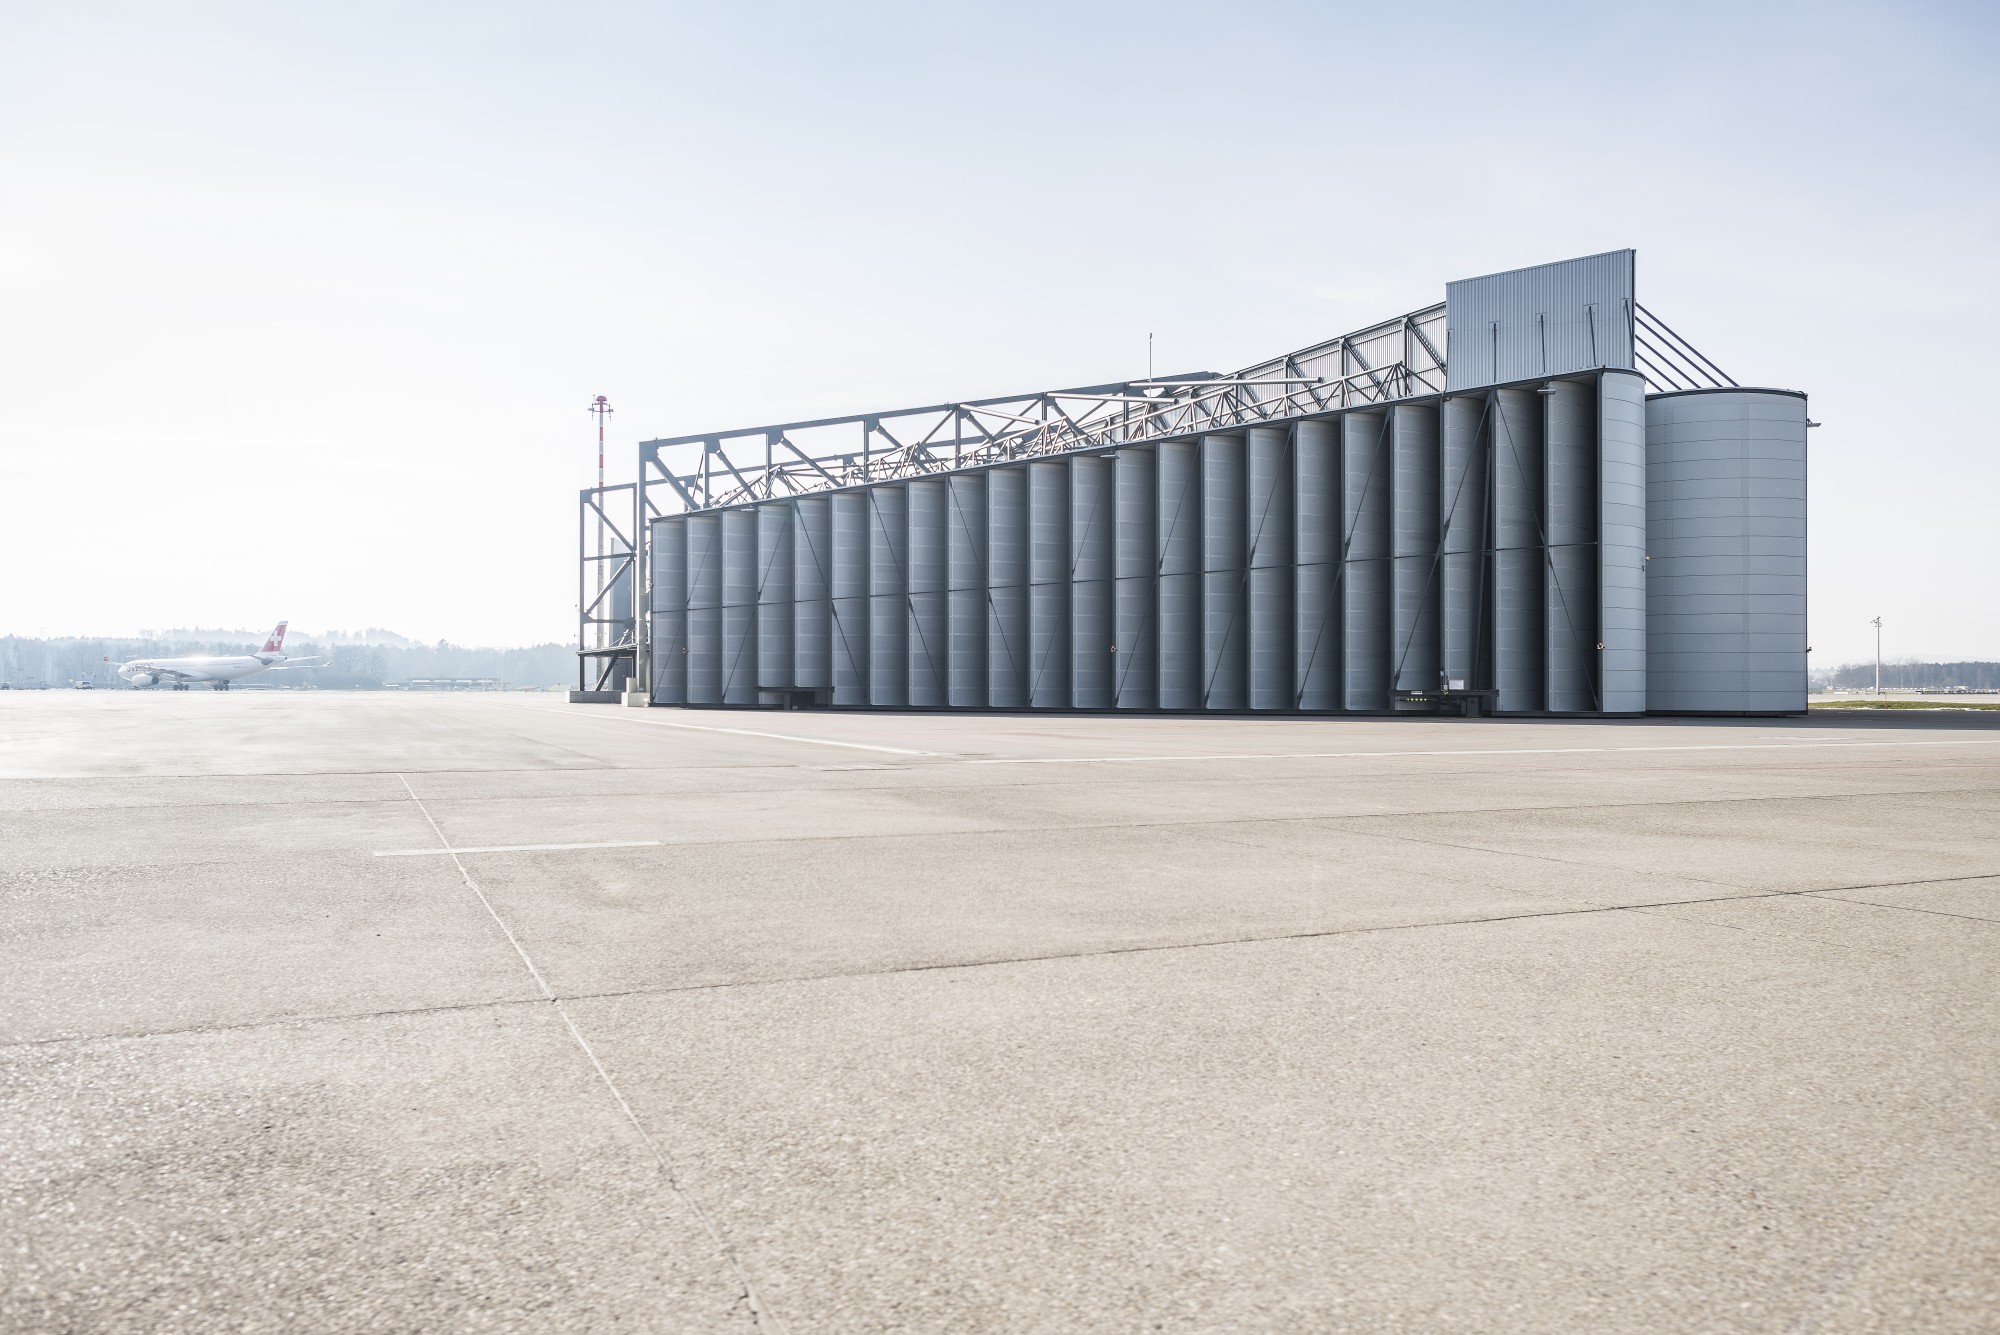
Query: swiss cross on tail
[(276, 643)]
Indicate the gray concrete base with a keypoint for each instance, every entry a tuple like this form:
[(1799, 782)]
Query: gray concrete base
[(384, 1012)]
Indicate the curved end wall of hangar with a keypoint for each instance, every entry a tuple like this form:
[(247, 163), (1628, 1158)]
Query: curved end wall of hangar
[(1560, 542), (1726, 530)]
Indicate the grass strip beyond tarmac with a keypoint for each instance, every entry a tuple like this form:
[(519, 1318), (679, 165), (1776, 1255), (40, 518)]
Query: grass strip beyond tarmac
[(1901, 704)]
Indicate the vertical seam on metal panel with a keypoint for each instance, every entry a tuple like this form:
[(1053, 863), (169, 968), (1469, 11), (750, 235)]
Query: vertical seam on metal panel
[(1396, 673), (910, 599)]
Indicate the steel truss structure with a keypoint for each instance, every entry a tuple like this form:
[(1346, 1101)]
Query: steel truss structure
[(607, 631), (1392, 360)]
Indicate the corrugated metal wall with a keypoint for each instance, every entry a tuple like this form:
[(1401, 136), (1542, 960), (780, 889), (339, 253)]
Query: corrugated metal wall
[(1726, 530), (1546, 320), (1621, 526), (1492, 540)]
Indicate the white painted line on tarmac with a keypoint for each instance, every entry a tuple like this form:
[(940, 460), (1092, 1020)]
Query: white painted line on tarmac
[(1475, 752), (787, 737), (660, 1156), (744, 732), (512, 848)]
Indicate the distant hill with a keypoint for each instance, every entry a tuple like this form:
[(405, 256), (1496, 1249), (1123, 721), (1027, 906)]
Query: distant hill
[(1912, 677)]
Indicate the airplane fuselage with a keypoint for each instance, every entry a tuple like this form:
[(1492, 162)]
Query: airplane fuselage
[(216, 669)]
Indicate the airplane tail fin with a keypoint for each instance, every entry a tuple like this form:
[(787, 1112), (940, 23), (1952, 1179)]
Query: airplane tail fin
[(276, 643)]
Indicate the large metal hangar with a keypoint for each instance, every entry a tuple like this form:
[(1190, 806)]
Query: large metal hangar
[(1531, 498)]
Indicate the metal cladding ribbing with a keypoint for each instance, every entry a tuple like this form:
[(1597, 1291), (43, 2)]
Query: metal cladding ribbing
[(670, 611), (1179, 526), (1365, 447), (1726, 525), (1316, 576), (1048, 584), (739, 607), (1519, 557), (1364, 525), (1007, 587), (1135, 571), (812, 592), (1415, 605), (704, 614), (1093, 635), (1482, 551), (1464, 538), (929, 638), (777, 613), (965, 586), (1622, 538), (888, 609), (850, 598), (1224, 573), (1269, 607), (1569, 602)]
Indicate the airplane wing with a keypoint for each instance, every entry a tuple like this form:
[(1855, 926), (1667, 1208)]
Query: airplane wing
[(174, 674)]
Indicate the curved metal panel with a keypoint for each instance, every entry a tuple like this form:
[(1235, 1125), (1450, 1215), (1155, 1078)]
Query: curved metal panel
[(850, 598), (1621, 563), (704, 671), (1462, 507), (1519, 627), (1224, 572), (774, 595), (926, 553), (1414, 542), (928, 642), (1092, 528), (668, 550), (1569, 605), (1048, 584), (1135, 565), (1179, 526), (1007, 587), (965, 582), (1366, 484), (1317, 535), (812, 591), (888, 595), (1726, 528), (1269, 608), (739, 607)]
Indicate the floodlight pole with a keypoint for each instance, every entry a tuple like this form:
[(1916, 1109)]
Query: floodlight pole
[(600, 408), (1877, 623)]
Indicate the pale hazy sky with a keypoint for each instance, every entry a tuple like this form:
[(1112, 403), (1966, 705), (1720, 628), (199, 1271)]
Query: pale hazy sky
[(301, 304)]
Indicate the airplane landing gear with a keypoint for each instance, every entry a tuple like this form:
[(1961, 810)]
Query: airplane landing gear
[(222, 686), (180, 686)]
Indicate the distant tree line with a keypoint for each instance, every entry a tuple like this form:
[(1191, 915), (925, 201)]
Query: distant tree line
[(27, 662), (1911, 676), (395, 661)]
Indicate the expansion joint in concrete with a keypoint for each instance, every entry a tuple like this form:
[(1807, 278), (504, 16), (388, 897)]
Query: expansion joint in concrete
[(765, 1319)]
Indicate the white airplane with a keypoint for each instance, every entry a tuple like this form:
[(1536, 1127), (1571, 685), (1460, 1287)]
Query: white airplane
[(217, 670)]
